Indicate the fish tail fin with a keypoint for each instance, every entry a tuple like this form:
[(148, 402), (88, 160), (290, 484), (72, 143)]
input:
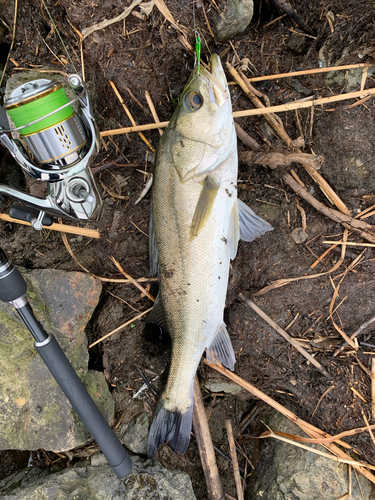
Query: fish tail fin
[(171, 427)]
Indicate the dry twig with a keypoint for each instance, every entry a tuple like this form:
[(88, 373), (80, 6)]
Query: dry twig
[(233, 454), (287, 337), (373, 387), (305, 426), (135, 283), (275, 159), (205, 446)]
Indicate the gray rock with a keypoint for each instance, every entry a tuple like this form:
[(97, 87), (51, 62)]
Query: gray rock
[(134, 435), (148, 480), (283, 471), (299, 235), (216, 384), (34, 413), (233, 19)]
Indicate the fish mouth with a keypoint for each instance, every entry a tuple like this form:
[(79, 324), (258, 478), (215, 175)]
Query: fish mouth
[(218, 79)]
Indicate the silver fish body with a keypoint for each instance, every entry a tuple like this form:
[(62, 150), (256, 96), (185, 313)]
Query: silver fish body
[(197, 221)]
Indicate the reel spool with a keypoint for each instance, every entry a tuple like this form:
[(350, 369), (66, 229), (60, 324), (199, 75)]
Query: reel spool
[(53, 139), (57, 145)]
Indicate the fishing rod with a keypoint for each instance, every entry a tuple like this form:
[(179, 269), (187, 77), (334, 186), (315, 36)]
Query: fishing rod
[(13, 291)]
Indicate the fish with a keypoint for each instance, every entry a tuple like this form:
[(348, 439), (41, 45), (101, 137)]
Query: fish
[(196, 222)]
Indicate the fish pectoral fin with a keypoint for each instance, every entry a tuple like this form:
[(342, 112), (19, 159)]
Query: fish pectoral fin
[(153, 250), (234, 231), (251, 226), (221, 351), (204, 206), (157, 315)]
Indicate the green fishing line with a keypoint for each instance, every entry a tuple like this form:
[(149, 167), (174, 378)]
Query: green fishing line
[(198, 52), (37, 108)]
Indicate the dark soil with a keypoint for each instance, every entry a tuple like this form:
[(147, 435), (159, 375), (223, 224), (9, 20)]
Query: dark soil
[(142, 55)]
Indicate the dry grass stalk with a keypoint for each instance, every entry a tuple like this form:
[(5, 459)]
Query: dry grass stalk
[(287, 337), (278, 436), (296, 177), (160, 4), (373, 387), (274, 122), (233, 454), (205, 446), (136, 128), (120, 327), (349, 243), (308, 72), (130, 116), (321, 399), (153, 110), (12, 42), (126, 281), (305, 426), (286, 281), (135, 283), (368, 427), (96, 27), (358, 394), (275, 159), (81, 231), (67, 246)]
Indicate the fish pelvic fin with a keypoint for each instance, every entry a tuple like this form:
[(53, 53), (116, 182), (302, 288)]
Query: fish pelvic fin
[(220, 352), (251, 226), (204, 206), (171, 427)]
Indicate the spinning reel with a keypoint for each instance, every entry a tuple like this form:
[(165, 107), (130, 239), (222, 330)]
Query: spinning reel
[(56, 144)]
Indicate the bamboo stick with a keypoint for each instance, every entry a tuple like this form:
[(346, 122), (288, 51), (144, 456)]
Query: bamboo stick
[(250, 112), (308, 72), (81, 231), (205, 446)]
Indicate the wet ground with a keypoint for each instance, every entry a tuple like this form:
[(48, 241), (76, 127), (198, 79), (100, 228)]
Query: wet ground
[(147, 55)]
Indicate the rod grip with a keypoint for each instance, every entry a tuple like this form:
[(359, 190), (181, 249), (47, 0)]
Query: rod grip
[(91, 417)]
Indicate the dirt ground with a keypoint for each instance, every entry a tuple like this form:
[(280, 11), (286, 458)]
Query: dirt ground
[(147, 55)]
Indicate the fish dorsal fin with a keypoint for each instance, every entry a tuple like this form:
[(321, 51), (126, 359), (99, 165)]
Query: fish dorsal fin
[(221, 351), (251, 226), (157, 315), (234, 231), (153, 250), (204, 206)]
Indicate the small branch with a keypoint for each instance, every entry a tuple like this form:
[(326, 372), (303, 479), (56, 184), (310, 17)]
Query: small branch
[(275, 159), (362, 228), (373, 387), (288, 9), (287, 337), (233, 453), (205, 446), (246, 138)]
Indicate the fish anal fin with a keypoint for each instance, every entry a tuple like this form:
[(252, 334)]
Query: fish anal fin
[(157, 315), (251, 226), (204, 206), (221, 351)]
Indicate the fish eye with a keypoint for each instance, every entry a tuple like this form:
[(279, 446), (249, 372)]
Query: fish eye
[(193, 100)]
